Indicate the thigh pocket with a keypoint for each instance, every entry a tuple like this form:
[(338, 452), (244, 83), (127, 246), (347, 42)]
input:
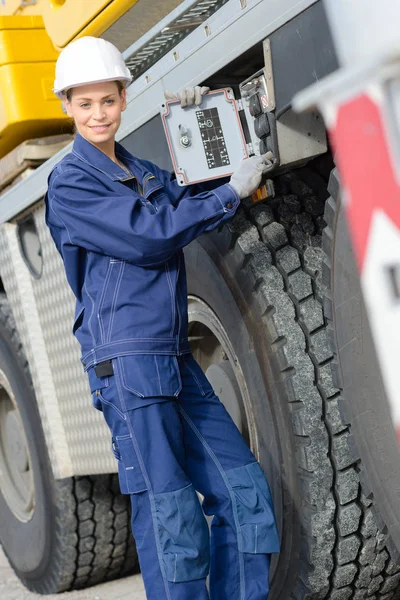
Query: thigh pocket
[(130, 475), (184, 535), (258, 533), (149, 376)]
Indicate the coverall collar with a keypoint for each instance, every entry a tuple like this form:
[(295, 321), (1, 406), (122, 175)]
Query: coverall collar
[(94, 157)]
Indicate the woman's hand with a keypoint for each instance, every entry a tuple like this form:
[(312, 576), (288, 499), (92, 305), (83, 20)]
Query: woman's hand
[(247, 177), (188, 96)]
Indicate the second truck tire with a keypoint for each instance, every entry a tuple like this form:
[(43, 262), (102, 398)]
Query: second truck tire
[(363, 402), (259, 282), (57, 534)]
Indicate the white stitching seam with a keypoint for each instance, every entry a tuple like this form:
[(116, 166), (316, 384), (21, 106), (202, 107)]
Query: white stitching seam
[(102, 297), (100, 395), (114, 300), (169, 280), (158, 374), (231, 493), (196, 379), (91, 314), (126, 386)]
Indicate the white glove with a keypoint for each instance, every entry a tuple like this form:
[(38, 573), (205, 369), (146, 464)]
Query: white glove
[(247, 177), (188, 96)]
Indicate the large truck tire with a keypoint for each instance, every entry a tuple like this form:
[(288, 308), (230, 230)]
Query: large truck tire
[(57, 534), (362, 401), (258, 330)]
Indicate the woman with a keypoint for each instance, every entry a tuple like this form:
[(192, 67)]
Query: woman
[(120, 224)]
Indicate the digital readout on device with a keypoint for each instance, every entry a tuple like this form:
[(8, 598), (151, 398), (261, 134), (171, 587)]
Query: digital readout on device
[(213, 138)]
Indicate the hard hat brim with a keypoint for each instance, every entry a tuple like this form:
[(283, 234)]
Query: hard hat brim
[(60, 93)]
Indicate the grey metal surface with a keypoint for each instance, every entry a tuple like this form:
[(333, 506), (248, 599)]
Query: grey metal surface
[(232, 31), (302, 53), (129, 588), (18, 285), (300, 137), (141, 143), (76, 434)]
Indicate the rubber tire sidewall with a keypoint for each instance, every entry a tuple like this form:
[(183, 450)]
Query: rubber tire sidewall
[(214, 276), (29, 546), (365, 405)]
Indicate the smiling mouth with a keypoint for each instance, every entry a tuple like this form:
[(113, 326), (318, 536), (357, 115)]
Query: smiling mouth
[(99, 128)]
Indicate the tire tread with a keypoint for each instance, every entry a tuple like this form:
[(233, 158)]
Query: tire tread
[(282, 251)]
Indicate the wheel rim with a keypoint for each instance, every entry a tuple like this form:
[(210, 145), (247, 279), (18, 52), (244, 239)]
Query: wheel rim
[(16, 475), (215, 354)]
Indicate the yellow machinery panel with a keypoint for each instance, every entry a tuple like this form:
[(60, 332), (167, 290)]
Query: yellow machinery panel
[(65, 20), (28, 107), (74, 18)]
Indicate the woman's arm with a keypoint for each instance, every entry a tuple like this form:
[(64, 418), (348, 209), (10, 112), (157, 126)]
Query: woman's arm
[(104, 221)]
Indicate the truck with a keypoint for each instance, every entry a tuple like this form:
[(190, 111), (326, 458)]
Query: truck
[(276, 315)]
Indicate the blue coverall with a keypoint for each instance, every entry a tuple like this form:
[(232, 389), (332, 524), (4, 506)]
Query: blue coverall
[(121, 238)]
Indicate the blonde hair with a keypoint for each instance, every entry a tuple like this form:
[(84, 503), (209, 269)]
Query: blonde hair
[(120, 86)]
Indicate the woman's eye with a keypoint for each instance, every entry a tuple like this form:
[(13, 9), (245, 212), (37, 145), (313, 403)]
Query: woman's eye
[(110, 101), (85, 105)]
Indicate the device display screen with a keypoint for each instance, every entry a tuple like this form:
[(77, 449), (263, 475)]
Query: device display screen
[(212, 137)]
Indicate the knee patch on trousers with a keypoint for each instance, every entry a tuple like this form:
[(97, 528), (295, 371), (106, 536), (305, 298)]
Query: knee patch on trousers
[(257, 526), (183, 534)]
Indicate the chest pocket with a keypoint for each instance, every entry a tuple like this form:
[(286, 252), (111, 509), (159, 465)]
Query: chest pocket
[(148, 376), (151, 189), (155, 192)]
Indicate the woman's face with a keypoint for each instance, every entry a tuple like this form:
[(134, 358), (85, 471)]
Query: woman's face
[(96, 109)]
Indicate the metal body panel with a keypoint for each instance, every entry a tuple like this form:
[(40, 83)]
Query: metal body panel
[(141, 143), (300, 137), (302, 53), (76, 435)]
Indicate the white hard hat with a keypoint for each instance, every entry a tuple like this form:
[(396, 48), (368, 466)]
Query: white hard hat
[(89, 60)]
